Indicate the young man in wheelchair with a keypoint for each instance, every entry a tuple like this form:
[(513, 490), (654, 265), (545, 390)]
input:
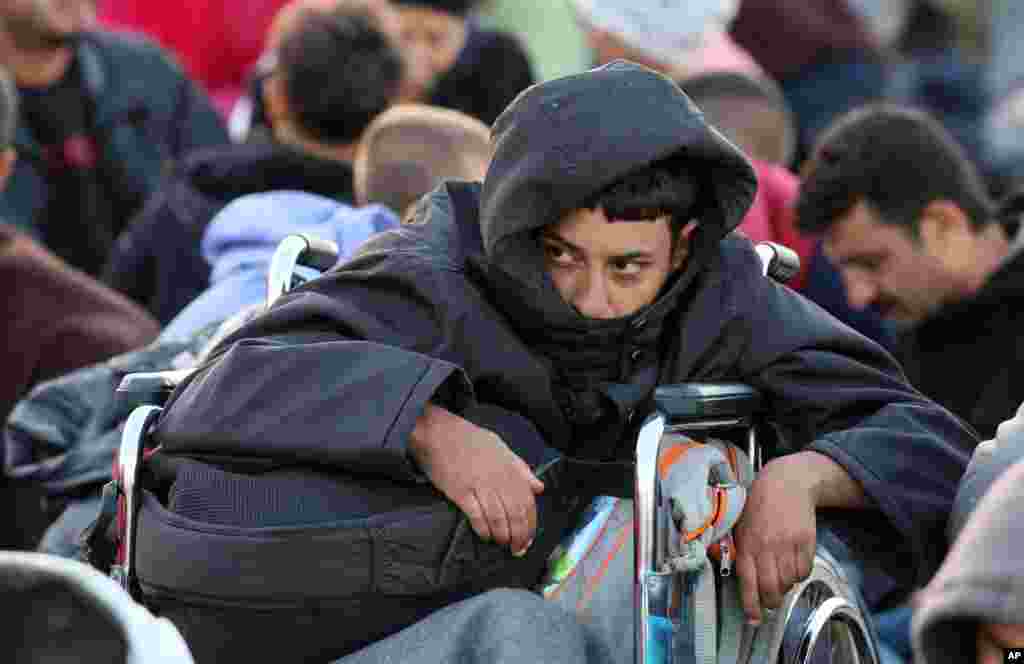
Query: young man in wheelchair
[(595, 262)]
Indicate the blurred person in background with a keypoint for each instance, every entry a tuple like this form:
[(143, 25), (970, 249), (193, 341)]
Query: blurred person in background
[(752, 112), (931, 70), (248, 121), (55, 319), (411, 149), (679, 38), (822, 52), (974, 607), (217, 41), (907, 219), (319, 112), (103, 115), (467, 68), (1004, 124)]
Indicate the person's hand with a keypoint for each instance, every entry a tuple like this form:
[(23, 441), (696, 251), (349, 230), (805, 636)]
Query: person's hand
[(775, 537), (993, 638), (478, 472)]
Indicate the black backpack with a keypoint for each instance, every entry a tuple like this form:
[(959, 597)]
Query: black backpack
[(262, 560)]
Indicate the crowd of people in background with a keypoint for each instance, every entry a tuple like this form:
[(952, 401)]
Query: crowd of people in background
[(153, 155)]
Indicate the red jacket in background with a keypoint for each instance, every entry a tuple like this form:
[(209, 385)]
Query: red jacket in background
[(56, 319), (218, 41), (772, 217)]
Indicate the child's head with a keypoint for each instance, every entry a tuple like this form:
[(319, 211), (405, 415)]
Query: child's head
[(410, 149), (750, 111)]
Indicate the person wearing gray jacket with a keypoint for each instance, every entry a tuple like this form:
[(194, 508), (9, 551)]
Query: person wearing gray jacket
[(974, 607)]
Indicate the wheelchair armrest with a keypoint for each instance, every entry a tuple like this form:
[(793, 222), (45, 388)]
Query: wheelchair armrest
[(149, 389), (687, 402)]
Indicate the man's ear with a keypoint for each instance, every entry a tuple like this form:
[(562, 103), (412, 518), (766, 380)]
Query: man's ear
[(683, 244), (7, 160), (946, 235)]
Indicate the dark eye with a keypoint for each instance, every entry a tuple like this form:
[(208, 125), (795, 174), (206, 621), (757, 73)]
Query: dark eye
[(557, 255), (628, 267)]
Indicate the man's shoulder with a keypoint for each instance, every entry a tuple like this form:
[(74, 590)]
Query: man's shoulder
[(444, 232), (123, 51)]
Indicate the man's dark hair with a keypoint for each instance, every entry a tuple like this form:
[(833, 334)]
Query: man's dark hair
[(340, 72), (8, 110), (899, 161), (662, 188)]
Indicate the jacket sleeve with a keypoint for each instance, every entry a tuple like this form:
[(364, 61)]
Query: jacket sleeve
[(304, 381), (838, 393), (990, 460)]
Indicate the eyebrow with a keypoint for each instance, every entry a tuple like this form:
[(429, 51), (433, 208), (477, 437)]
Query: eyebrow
[(868, 259), (629, 255)]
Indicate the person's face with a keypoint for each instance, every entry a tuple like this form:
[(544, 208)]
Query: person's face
[(994, 639), (39, 24), (432, 41), (607, 270), (884, 265)]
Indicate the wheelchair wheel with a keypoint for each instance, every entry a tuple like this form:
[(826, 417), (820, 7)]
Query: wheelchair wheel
[(820, 622)]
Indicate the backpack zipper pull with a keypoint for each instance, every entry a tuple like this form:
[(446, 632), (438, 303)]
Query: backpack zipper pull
[(726, 547)]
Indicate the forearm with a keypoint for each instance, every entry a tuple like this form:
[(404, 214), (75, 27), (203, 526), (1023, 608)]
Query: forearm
[(828, 483)]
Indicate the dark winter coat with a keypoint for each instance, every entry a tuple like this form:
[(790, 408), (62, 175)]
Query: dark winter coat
[(146, 113), (56, 318), (158, 262), (456, 308), (969, 356)]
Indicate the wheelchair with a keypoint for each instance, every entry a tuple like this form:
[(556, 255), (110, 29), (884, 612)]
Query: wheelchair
[(820, 619)]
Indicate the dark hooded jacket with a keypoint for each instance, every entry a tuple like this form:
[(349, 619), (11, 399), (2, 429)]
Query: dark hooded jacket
[(969, 355), (457, 308), (157, 260)]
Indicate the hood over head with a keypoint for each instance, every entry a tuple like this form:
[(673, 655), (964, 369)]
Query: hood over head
[(562, 141), (981, 580), (556, 146), (247, 231)]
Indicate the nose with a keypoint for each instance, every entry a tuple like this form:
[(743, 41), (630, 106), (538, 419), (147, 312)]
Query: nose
[(592, 298), (861, 291)]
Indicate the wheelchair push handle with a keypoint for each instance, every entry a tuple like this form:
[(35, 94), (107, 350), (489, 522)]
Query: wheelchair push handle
[(778, 261), (298, 250)]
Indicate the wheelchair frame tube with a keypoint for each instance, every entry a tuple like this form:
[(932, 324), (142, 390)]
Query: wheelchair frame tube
[(644, 521), (129, 459)]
